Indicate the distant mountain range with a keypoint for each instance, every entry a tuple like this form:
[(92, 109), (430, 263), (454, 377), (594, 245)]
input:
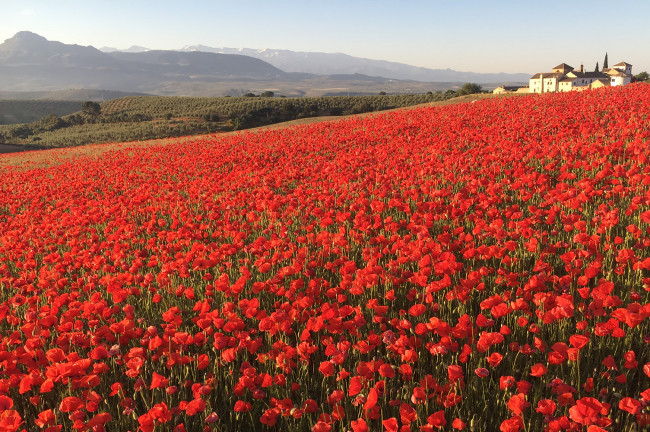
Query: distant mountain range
[(336, 63), (29, 62), (319, 63)]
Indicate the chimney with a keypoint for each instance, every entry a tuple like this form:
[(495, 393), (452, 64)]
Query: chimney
[(581, 68)]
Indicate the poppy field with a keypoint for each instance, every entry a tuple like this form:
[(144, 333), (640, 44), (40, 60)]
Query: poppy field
[(478, 267)]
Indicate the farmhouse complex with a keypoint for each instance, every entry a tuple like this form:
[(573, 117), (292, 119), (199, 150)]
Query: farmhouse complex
[(564, 78)]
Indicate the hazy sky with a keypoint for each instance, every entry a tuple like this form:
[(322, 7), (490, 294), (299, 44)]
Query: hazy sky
[(479, 36)]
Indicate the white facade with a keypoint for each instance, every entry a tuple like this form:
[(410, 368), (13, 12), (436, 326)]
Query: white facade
[(565, 85), (550, 85), (620, 80), (535, 85), (620, 74), (564, 78), (544, 82)]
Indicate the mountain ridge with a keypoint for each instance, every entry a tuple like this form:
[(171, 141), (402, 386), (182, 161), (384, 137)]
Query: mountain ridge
[(320, 63), (29, 62)]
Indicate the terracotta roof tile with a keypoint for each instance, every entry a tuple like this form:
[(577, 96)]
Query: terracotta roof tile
[(563, 66)]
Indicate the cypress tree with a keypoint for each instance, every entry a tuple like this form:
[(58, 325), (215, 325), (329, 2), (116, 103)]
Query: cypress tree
[(605, 65), (596, 70)]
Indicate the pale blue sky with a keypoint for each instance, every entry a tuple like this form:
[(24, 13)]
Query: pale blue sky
[(479, 36)]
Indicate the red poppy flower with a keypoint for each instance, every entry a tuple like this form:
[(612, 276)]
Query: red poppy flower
[(70, 404), (326, 368), (46, 386), (212, 418), (158, 381), (371, 401), (646, 395), (390, 424), (513, 424), (6, 402), (630, 405), (355, 386), (517, 403), (45, 418), (455, 372), (242, 406), (486, 340), (417, 310), (494, 359), (585, 411), (407, 413), (99, 420), (506, 381), (482, 372), (419, 395), (523, 386), (458, 424), (322, 426), (196, 406), (437, 419), (545, 406), (116, 388), (203, 361), (146, 423), (386, 371), (25, 384), (578, 341), (537, 370), (359, 425), (10, 420)]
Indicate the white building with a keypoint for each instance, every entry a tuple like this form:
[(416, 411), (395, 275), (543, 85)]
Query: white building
[(564, 78), (621, 74)]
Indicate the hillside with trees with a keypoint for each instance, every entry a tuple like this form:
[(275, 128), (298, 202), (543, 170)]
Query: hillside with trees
[(149, 117)]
